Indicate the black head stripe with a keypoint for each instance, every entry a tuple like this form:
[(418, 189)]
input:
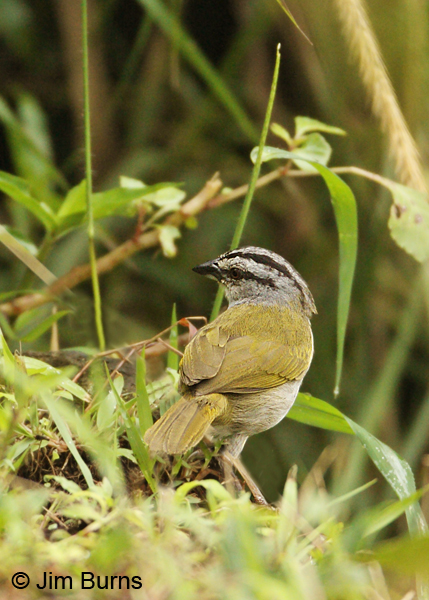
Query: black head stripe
[(269, 261), (252, 276), (262, 259), (277, 263)]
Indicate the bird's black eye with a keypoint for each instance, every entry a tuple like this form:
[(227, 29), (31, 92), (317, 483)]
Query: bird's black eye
[(236, 273)]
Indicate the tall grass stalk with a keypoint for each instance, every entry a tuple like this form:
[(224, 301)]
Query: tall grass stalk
[(255, 174), (88, 170), (363, 43)]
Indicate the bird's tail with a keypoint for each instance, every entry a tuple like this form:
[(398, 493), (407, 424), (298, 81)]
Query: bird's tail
[(184, 424)]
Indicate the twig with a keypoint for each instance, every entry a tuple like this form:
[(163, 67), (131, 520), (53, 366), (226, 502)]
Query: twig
[(170, 347), (156, 345), (208, 198)]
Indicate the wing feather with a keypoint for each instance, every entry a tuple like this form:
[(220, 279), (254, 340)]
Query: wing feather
[(235, 355)]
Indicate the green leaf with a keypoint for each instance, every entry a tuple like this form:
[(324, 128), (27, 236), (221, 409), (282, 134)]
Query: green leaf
[(318, 413), (216, 488), (144, 411), (41, 328), (167, 235), (34, 366), (405, 555), (118, 201), (282, 133), (9, 360), (69, 486), (314, 147), (35, 124), (352, 493), (19, 190), (166, 196), (74, 202), (32, 153), (6, 328), (66, 435), (130, 183), (409, 220), (107, 407), (172, 357), (17, 449), (345, 210), (304, 125), (121, 200)]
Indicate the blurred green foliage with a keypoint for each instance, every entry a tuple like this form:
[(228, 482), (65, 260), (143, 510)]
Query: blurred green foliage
[(95, 515)]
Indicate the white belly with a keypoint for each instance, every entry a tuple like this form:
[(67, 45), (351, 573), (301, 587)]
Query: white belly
[(256, 412)]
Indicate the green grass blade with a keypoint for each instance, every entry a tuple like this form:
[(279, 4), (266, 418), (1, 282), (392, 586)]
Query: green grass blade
[(187, 47), (42, 327), (283, 5), (132, 63), (144, 411), (416, 439), (395, 470), (97, 446), (345, 210), (13, 125), (137, 445), (382, 515), (172, 357), (30, 261), (255, 174), (66, 435), (380, 398)]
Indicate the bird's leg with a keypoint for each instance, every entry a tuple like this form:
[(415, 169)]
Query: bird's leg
[(228, 463), (230, 480)]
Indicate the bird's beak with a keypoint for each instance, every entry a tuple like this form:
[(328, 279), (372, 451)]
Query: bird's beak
[(209, 269)]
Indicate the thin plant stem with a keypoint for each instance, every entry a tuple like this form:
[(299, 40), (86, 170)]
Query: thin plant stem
[(88, 170), (192, 53), (253, 181)]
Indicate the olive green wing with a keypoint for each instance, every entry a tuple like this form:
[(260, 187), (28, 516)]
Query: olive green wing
[(221, 359), (204, 354), (252, 366)]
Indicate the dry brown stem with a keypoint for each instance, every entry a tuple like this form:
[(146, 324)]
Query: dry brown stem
[(363, 43), (208, 198)]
